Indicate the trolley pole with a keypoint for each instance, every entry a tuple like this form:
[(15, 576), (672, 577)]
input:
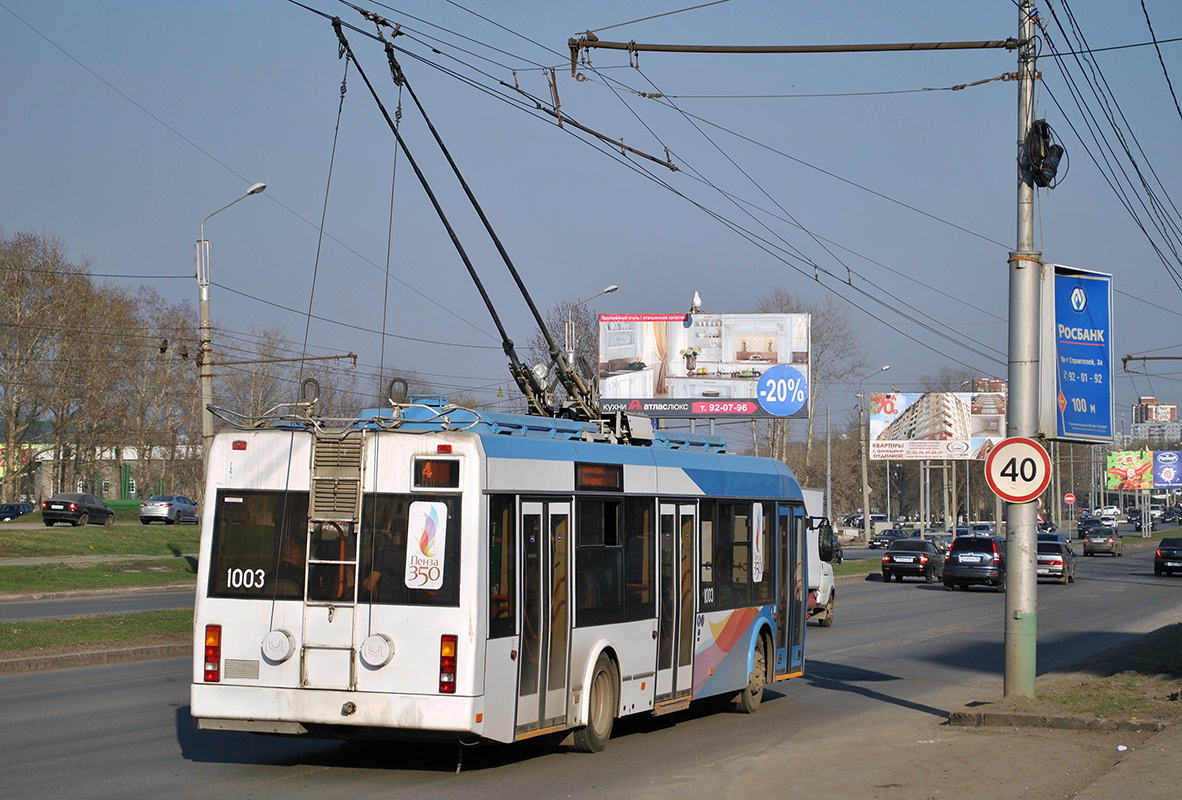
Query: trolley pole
[(1025, 268)]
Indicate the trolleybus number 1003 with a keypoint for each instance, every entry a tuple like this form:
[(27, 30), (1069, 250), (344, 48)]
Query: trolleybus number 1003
[(246, 578)]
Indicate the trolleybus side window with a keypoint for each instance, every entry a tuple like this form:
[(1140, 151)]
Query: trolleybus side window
[(258, 544), (599, 563), (640, 528), (502, 566), (386, 538), (763, 555)]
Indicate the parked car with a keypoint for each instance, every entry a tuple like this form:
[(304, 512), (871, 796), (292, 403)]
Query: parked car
[(169, 508), (1055, 560), (11, 511), (885, 537), (1168, 558), (1103, 540), (917, 558), (76, 508), (1109, 511), (975, 560)]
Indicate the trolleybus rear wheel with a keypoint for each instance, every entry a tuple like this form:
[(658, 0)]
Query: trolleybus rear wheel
[(601, 708)]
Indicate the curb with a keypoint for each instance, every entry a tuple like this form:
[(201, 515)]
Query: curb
[(119, 590), (999, 719), (89, 659)]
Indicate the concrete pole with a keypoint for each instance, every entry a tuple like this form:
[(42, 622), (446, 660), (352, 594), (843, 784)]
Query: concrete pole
[(206, 339), (828, 469), (1025, 314)]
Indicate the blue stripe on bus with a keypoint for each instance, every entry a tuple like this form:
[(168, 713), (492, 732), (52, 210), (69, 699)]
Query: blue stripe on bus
[(717, 475)]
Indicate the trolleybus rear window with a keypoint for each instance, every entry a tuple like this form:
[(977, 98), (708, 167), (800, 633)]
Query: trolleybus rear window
[(259, 539), (387, 536)]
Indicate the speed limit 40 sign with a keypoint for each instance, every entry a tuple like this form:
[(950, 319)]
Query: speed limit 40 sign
[(1018, 469)]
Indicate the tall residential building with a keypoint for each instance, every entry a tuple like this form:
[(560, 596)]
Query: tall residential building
[(1147, 409)]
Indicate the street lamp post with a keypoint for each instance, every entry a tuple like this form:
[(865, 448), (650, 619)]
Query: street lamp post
[(570, 323), (206, 354), (862, 423)]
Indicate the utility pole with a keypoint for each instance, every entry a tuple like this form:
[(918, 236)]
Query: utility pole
[(1025, 268)]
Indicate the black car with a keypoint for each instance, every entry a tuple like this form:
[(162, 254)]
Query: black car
[(1088, 525), (1168, 558), (1055, 560), (10, 511), (974, 560), (885, 538), (917, 558), (1138, 523), (76, 508)]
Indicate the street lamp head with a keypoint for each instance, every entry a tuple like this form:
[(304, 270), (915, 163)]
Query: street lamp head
[(257, 188), (610, 289), (885, 367)]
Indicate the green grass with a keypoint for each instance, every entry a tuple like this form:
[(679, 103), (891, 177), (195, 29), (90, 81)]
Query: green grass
[(98, 540), (857, 566), (102, 575), (114, 628)]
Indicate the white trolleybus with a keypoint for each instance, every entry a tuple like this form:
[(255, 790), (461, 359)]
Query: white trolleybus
[(432, 572)]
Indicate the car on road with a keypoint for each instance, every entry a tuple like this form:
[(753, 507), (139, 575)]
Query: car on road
[(1109, 511), (1055, 560), (1047, 527), (1103, 540), (168, 508), (886, 537), (1139, 525), (1088, 525), (982, 528), (974, 561), (11, 511), (1108, 521), (76, 508), (1051, 537), (915, 558), (1168, 558)]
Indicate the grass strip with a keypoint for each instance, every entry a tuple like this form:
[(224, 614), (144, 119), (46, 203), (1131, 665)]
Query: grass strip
[(103, 575), (91, 631), (99, 540), (857, 566)]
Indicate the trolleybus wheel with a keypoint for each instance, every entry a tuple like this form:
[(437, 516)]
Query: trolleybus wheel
[(750, 697), (601, 708)]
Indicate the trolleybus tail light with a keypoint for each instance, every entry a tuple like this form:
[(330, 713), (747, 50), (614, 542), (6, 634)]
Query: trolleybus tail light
[(239, 444), (447, 664), (443, 448), (213, 653)]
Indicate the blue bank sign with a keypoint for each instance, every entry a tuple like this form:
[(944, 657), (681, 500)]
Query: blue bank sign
[(1081, 401)]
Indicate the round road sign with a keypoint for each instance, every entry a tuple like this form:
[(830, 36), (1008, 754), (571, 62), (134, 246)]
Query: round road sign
[(1069, 499), (1018, 469)]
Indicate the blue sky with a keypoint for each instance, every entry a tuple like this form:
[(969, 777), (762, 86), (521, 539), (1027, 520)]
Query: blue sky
[(125, 123)]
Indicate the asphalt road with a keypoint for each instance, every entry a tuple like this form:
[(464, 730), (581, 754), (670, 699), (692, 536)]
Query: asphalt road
[(905, 652)]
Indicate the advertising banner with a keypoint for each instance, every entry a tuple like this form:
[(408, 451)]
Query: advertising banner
[(938, 425), (1167, 469), (1130, 469), (705, 365), (1076, 386)]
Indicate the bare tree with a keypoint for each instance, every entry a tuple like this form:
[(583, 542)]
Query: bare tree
[(571, 324), (34, 271)]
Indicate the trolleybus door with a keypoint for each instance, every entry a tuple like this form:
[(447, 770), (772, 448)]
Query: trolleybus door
[(546, 621), (791, 589), (675, 625)]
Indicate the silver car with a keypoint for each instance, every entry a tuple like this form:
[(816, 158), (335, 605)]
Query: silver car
[(169, 508)]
